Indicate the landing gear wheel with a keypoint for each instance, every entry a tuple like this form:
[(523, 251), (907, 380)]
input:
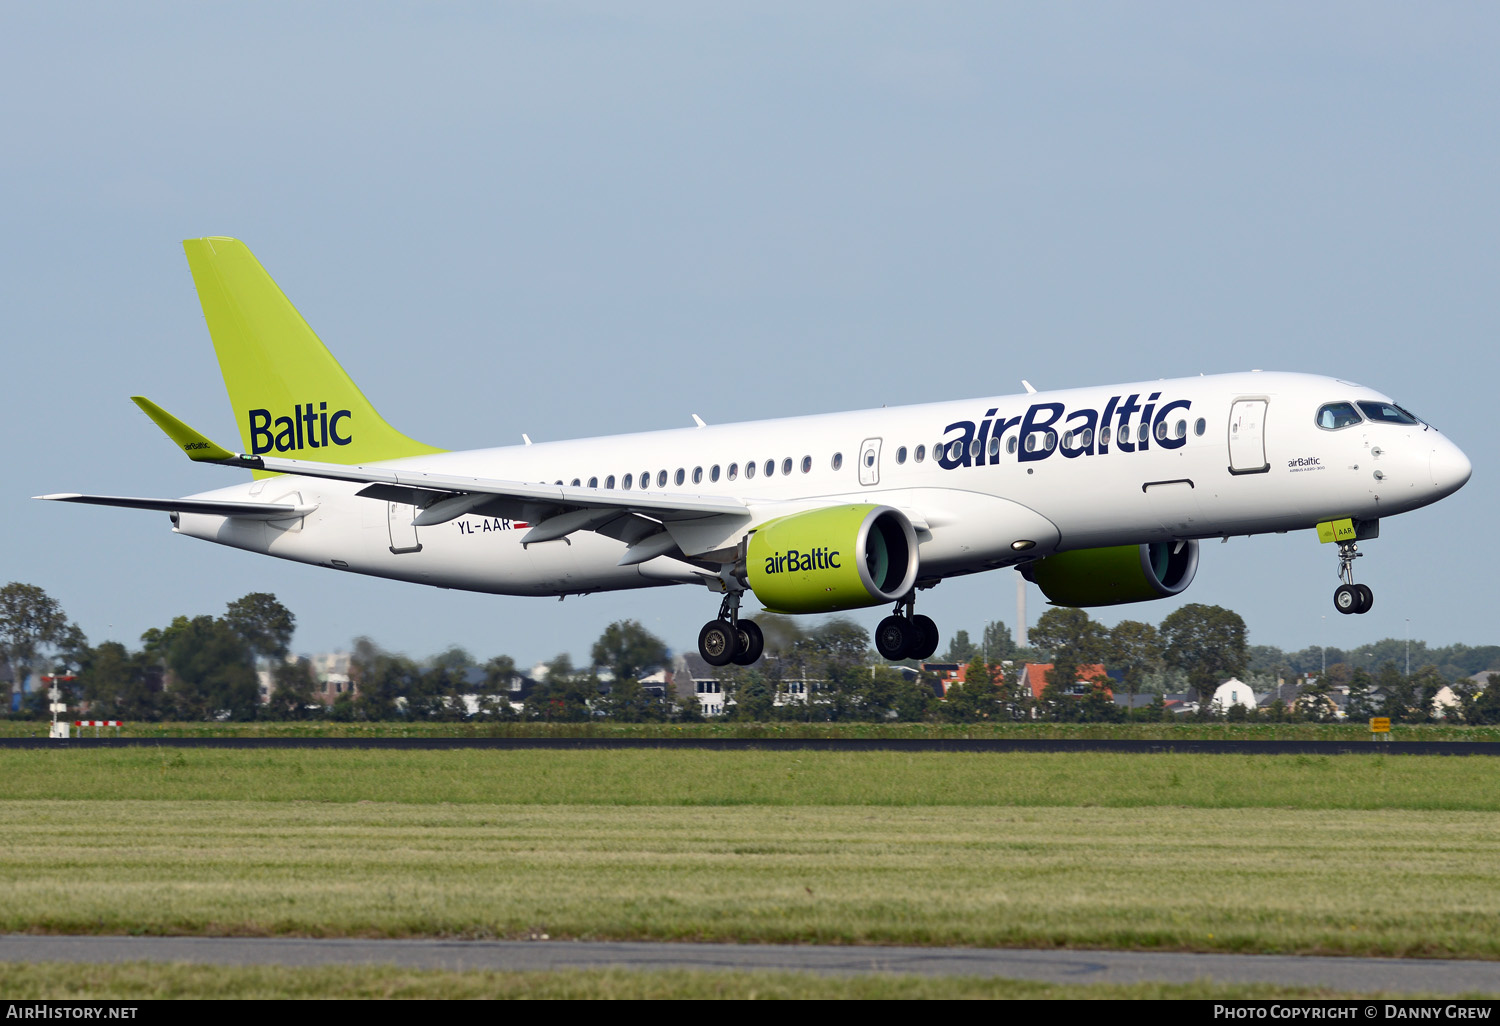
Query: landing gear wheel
[(1366, 598), (927, 634), (1347, 599), (718, 642), (894, 637), (752, 643)]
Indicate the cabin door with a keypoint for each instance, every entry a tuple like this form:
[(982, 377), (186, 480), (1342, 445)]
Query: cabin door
[(1247, 437), (403, 533)]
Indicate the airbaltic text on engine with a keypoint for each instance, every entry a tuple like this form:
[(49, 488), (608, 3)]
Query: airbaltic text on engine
[(1044, 419), (817, 559), (322, 428)]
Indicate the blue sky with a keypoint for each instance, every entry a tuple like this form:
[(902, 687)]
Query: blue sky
[(577, 219)]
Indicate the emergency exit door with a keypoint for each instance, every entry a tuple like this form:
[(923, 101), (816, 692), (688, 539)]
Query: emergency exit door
[(869, 461)]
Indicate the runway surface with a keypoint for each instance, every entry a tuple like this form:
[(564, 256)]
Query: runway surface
[(1359, 975), (790, 744)]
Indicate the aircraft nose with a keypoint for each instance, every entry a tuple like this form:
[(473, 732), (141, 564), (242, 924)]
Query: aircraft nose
[(1450, 467)]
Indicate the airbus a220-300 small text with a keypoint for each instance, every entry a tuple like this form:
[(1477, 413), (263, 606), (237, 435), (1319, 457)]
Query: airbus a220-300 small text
[(1098, 495)]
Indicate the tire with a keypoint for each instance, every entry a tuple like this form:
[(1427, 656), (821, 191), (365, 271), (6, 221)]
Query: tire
[(894, 637), (752, 643), (928, 638), (718, 643), (1346, 599), (1366, 598)]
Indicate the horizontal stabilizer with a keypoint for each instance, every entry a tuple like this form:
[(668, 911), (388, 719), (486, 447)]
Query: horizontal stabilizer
[(210, 507)]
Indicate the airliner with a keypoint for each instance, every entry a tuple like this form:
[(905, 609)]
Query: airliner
[(1098, 495)]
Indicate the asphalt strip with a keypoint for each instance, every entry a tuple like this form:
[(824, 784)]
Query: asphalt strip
[(1392, 976)]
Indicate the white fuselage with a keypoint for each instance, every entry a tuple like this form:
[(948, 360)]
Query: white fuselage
[(1223, 455)]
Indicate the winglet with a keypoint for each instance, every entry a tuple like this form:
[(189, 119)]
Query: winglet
[(197, 446)]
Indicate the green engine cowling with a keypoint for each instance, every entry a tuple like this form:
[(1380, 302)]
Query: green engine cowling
[(824, 560), (1120, 573)]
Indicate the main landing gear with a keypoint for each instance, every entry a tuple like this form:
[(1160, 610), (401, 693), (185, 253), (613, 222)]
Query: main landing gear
[(1350, 597), (905, 636), (728, 639)]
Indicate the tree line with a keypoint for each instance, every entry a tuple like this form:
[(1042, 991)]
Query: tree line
[(205, 667)]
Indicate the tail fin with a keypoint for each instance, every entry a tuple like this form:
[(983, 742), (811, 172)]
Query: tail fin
[(289, 394)]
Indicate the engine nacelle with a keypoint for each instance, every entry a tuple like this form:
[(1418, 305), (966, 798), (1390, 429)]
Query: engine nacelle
[(1120, 573), (824, 560)]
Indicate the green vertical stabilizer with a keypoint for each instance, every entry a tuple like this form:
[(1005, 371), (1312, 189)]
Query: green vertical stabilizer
[(291, 398)]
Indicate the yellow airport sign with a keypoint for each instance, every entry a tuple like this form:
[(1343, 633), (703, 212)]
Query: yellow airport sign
[(1380, 724)]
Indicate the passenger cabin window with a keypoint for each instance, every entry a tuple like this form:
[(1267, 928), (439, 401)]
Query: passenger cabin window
[(575, 483), (901, 455), (734, 471), (1387, 413), (806, 464), (1332, 416), (770, 467), (645, 480), (661, 479), (593, 482), (681, 476), (609, 482), (713, 472), (838, 460), (750, 469), (994, 446), (786, 466), (627, 482), (920, 454), (1200, 426), (1010, 446), (697, 475)]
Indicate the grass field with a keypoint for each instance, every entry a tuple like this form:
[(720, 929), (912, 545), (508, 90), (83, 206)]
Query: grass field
[(1344, 855), (139, 980)]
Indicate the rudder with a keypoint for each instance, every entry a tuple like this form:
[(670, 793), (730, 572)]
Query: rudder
[(290, 396)]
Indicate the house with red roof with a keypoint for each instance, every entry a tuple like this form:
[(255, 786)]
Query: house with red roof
[(1036, 677), (950, 674)]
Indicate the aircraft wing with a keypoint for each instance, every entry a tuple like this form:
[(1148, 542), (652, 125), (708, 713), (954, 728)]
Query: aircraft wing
[(554, 511), (216, 507), (660, 504)]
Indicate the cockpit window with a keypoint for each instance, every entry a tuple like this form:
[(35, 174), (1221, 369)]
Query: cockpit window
[(1387, 413), (1333, 416)]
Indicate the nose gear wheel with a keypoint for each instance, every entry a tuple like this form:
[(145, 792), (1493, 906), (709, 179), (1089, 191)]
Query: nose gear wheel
[(1350, 597)]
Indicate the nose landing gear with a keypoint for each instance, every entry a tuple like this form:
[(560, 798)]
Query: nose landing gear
[(729, 639), (1350, 597), (904, 635)]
